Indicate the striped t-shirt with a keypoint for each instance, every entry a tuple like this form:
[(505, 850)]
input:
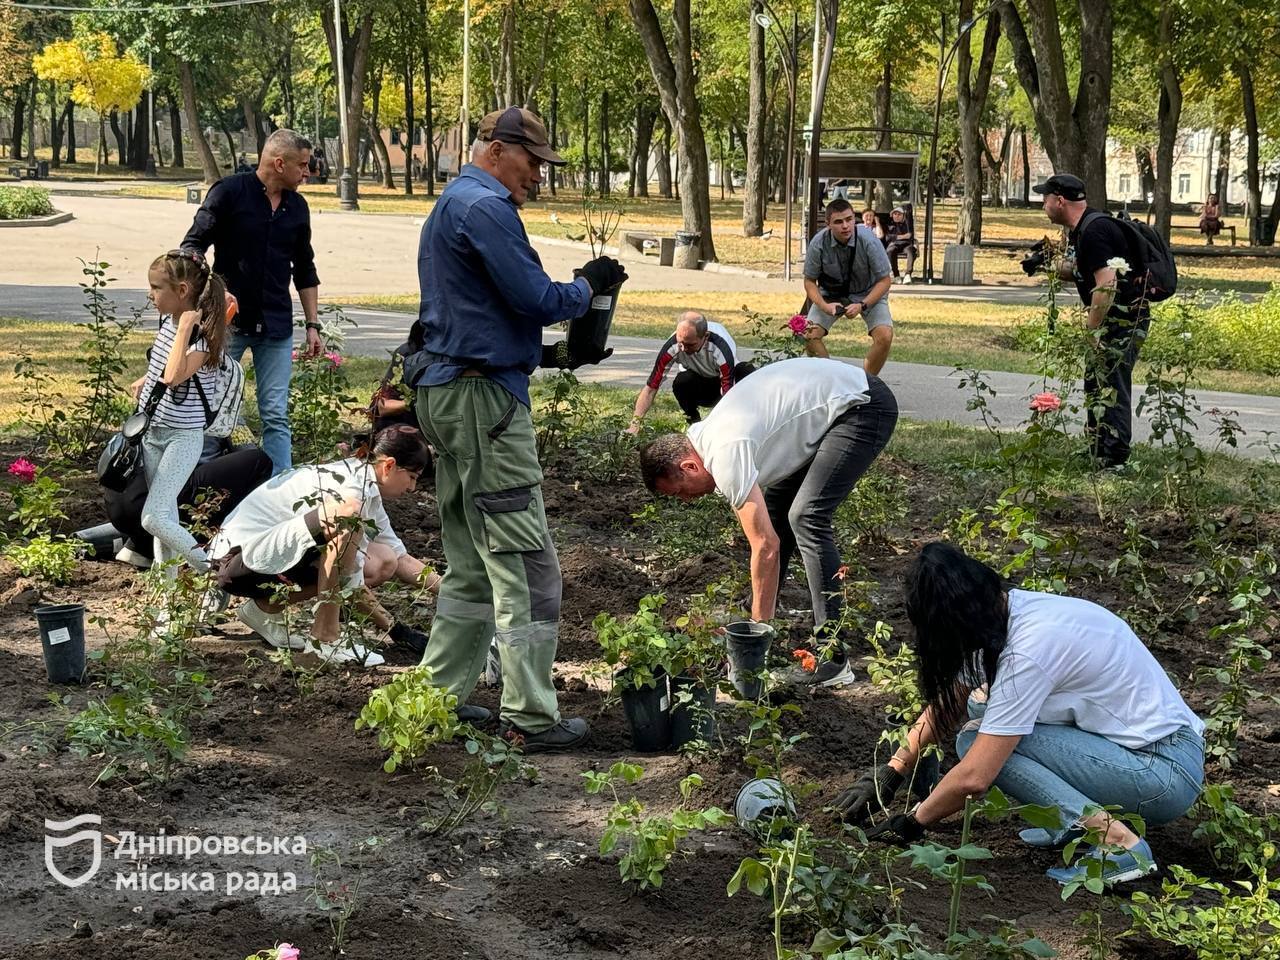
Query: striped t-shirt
[(180, 406)]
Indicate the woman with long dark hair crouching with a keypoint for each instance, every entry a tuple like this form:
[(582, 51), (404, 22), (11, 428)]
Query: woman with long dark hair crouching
[(1077, 715)]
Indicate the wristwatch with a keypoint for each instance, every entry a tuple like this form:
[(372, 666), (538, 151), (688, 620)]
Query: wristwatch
[(312, 325)]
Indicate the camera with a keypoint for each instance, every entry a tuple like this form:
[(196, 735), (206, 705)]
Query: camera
[(1035, 261)]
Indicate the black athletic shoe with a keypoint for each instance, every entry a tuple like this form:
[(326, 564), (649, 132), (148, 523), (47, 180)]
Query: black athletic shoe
[(565, 735), (473, 714)]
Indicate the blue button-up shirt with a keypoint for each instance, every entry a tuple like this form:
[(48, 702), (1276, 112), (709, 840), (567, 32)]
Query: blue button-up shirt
[(257, 250), (485, 296)]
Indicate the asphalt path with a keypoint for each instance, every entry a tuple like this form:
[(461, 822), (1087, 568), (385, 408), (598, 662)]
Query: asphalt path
[(924, 391)]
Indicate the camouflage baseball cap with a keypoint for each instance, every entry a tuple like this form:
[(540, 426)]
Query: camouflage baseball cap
[(516, 125)]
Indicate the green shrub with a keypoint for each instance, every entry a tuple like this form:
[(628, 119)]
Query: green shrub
[(20, 203), (1233, 334)]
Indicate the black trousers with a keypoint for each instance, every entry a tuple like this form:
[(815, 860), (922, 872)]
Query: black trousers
[(693, 391), (802, 506), (1108, 391)]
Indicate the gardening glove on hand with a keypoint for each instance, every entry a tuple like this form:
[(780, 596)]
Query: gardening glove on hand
[(557, 355), (856, 802), (602, 273), (902, 829), (405, 636)]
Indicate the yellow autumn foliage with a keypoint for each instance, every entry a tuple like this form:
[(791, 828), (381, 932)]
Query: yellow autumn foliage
[(100, 77)]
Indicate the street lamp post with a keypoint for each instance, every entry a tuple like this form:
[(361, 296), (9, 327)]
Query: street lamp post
[(347, 185), (464, 120), (944, 64), (790, 58)]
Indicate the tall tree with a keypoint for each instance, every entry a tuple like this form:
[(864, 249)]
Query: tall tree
[(971, 93), (673, 72), (755, 199), (1072, 128)]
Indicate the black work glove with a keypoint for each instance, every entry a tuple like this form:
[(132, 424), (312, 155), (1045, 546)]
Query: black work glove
[(405, 636), (556, 355), (854, 803), (603, 273), (902, 829)]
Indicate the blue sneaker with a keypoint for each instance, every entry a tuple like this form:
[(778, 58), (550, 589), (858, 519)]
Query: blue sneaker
[(1117, 868)]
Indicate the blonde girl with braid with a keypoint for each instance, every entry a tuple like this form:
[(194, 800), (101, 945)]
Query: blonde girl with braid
[(192, 301)]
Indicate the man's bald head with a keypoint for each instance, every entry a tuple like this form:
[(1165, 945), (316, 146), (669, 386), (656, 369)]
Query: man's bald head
[(285, 158), (691, 331)]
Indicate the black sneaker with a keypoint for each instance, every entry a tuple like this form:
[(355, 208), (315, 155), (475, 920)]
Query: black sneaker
[(568, 733), (833, 673), (473, 713)]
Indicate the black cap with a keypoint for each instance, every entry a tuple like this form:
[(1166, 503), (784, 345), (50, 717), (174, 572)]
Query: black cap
[(516, 125), (1064, 185)]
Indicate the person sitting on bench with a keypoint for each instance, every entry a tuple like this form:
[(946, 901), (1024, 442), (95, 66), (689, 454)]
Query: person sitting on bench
[(899, 238)]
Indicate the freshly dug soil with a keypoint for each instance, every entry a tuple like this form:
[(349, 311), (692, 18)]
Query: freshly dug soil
[(270, 757)]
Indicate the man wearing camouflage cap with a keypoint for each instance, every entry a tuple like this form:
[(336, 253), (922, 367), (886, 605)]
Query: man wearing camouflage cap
[(485, 300)]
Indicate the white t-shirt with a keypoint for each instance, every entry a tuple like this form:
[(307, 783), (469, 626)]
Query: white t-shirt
[(269, 527), (1072, 662), (769, 425)]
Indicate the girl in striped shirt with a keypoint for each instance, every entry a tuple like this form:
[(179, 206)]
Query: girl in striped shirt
[(189, 344)]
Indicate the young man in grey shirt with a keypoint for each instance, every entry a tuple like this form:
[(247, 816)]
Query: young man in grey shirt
[(847, 274)]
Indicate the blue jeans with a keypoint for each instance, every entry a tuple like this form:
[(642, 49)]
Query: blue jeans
[(272, 369), (1071, 769)]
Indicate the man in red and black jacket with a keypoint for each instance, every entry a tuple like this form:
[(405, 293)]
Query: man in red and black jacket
[(707, 354)]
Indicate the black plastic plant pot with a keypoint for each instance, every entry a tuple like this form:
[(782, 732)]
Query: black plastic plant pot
[(695, 719), (648, 710), (748, 646), (589, 334), (62, 638)]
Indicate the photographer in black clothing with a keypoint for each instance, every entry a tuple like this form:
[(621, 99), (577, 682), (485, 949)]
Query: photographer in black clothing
[(1099, 260)]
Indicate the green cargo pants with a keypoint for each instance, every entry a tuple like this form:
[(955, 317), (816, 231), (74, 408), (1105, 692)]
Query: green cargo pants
[(502, 575)]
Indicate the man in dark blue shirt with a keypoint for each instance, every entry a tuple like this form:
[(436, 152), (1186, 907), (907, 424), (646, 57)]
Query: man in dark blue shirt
[(485, 300), (260, 229)]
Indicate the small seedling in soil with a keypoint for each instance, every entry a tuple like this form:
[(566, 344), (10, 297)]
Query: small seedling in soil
[(651, 842), (336, 885)]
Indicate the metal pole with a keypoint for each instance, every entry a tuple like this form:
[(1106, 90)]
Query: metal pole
[(794, 78), (151, 112), (346, 181)]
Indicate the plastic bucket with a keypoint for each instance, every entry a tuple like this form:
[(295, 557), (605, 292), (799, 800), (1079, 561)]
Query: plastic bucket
[(696, 719), (748, 647), (62, 639), (648, 711), (759, 802)]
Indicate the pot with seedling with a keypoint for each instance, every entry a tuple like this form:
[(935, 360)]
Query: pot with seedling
[(641, 649)]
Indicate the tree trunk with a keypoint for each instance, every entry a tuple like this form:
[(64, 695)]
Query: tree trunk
[(378, 146), (1073, 131), (19, 123), (1253, 188), (1146, 171), (998, 166), (355, 54), (554, 133), (603, 184), (208, 164), (755, 197), (252, 122), (586, 142), (1222, 176), (1273, 218), (122, 146), (663, 171), (971, 94), (231, 144), (406, 139), (883, 197), (140, 142), (428, 118), (646, 115), (71, 131), (830, 18), (1168, 115), (56, 120), (507, 68), (175, 128), (673, 72)]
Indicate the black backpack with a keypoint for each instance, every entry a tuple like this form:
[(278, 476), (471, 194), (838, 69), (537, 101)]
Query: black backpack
[(1153, 271)]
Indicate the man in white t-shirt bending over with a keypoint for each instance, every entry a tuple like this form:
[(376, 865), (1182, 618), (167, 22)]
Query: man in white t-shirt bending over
[(709, 366), (785, 448)]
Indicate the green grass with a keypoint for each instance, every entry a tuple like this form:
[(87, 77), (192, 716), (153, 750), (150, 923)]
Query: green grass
[(943, 332)]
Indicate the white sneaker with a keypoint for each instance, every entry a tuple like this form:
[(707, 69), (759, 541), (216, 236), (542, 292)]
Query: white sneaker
[(907, 278), (133, 558), (271, 628), (345, 653), (213, 603)]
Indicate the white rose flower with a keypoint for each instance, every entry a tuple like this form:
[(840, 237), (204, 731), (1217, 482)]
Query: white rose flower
[(1186, 335), (1119, 264)]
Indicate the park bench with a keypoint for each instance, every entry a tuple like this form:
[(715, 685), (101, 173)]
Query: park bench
[(1195, 228), (642, 242), (30, 171)]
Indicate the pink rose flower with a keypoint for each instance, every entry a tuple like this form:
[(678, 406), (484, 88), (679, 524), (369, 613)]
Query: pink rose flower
[(334, 358), (287, 951), (1045, 402), (798, 323), (23, 469), (294, 356)]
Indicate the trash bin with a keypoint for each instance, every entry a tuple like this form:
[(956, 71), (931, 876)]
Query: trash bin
[(687, 250), (957, 264), (195, 194), (666, 251), (1264, 232), (43, 169)]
